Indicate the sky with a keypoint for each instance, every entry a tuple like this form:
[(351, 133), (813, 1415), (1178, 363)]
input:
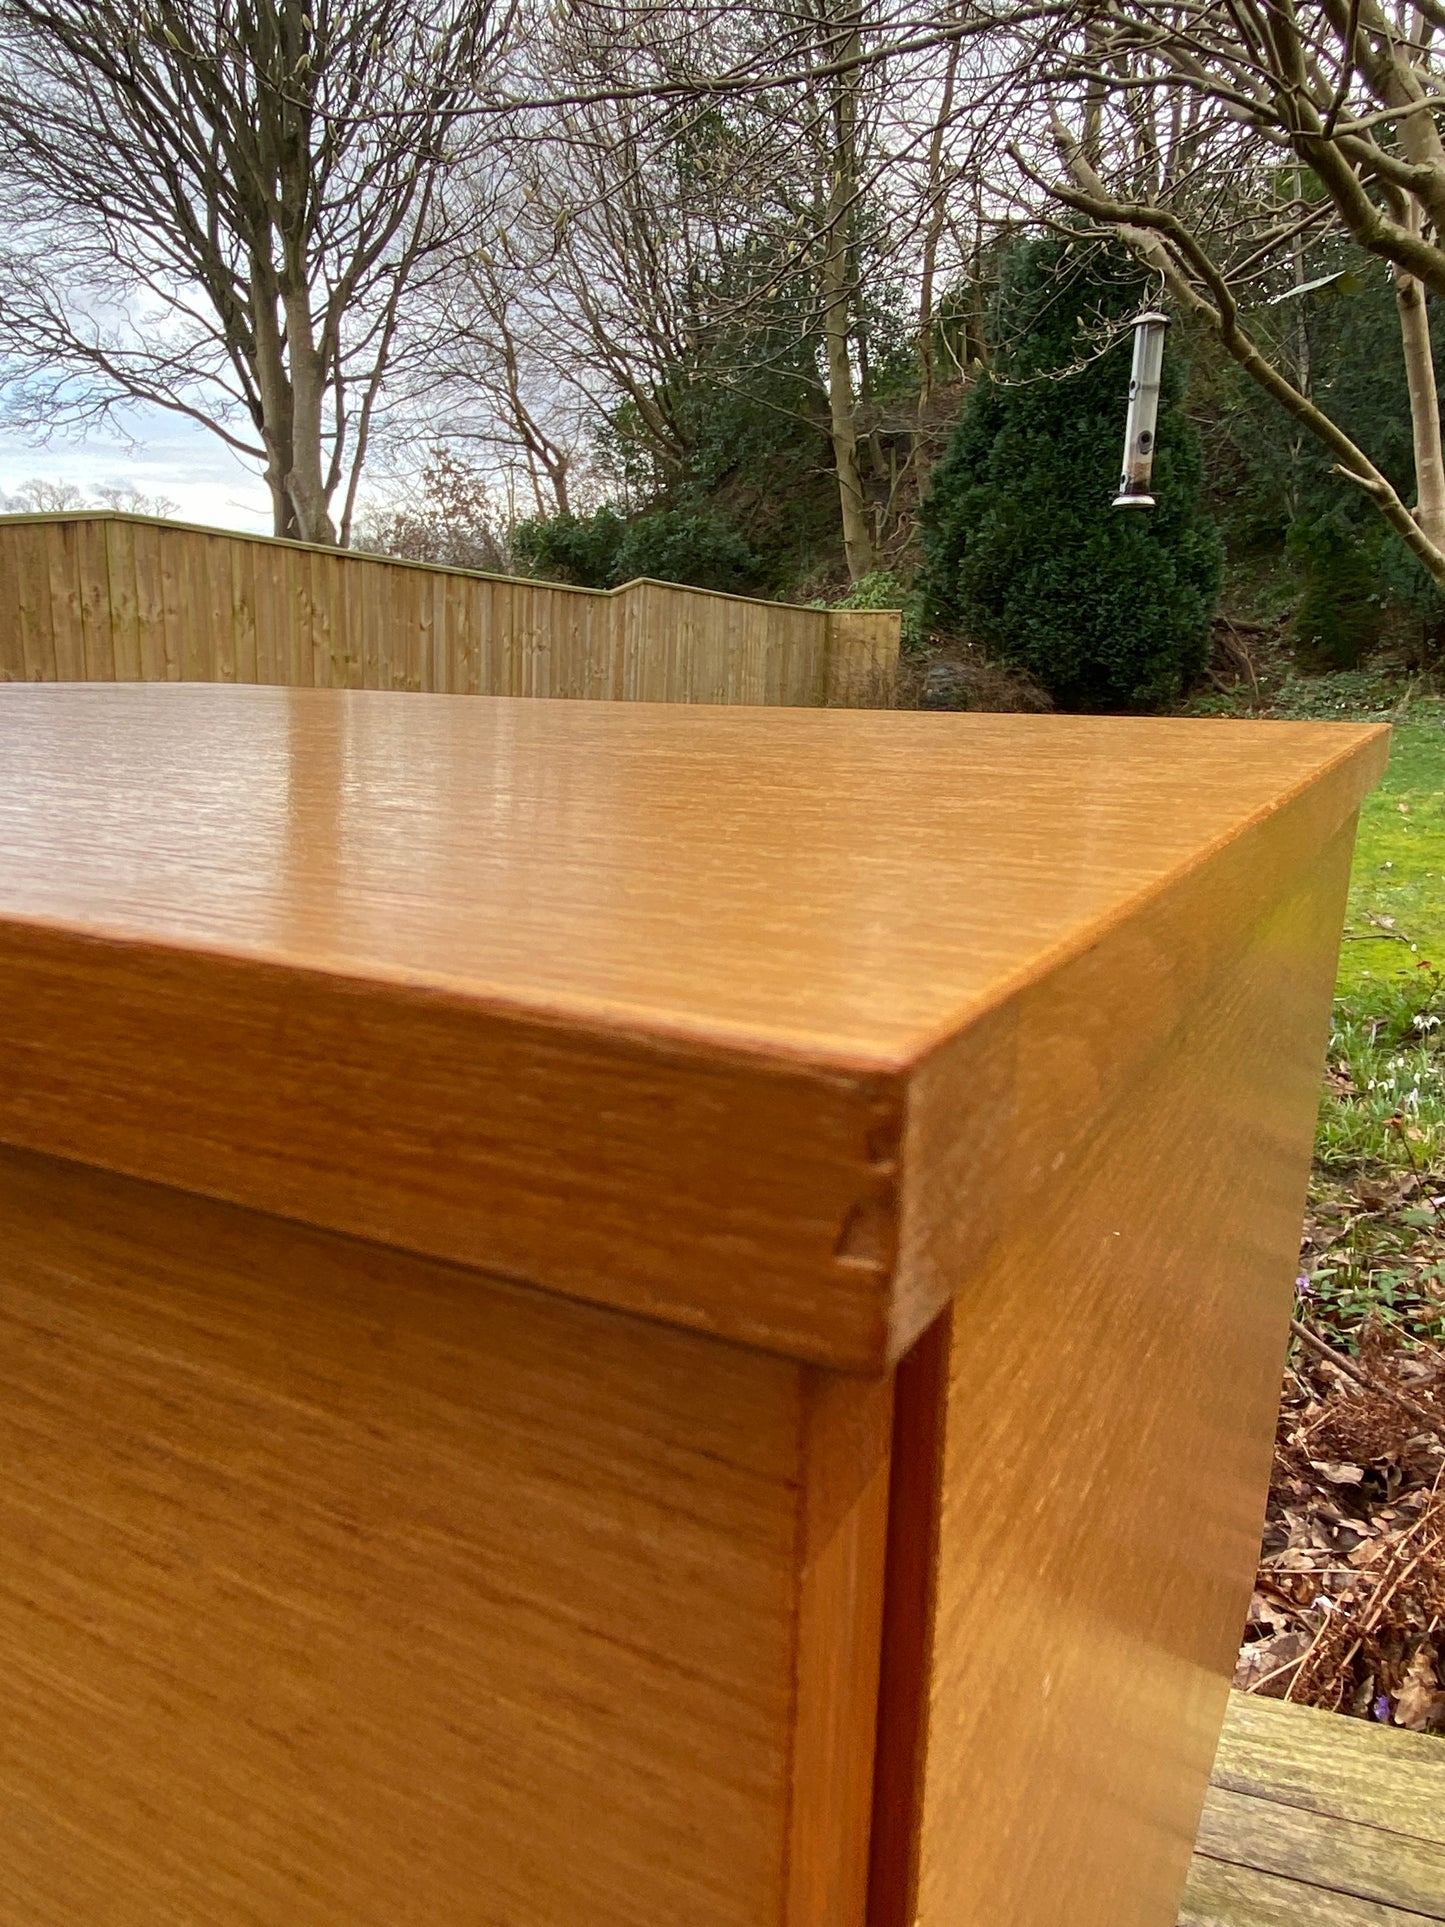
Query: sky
[(171, 456)]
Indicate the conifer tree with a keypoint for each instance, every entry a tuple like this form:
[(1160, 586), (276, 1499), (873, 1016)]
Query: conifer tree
[(1023, 550)]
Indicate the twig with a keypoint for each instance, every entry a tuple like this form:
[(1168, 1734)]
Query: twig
[(1326, 1627), (1279, 1672), (1384, 1593), (1364, 1378), (1426, 1532), (1388, 1585)]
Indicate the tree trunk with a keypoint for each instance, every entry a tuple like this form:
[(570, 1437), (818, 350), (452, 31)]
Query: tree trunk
[(272, 406), (933, 234), (1414, 311), (857, 536), (838, 295), (306, 485), (557, 475)]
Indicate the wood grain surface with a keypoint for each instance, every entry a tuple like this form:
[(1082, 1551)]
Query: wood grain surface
[(759, 1021), (105, 597), (1352, 1770), (345, 1577), (1313, 1820), (1100, 1465), (1392, 1868), (1223, 1894), (338, 1586)]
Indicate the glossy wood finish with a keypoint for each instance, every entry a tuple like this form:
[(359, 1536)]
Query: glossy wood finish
[(757, 1021), (104, 597), (1107, 1413), (342, 1586), (985, 1046), (1317, 1821)]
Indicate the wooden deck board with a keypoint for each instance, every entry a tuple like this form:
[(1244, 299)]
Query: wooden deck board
[(1223, 1895), (1317, 1821)]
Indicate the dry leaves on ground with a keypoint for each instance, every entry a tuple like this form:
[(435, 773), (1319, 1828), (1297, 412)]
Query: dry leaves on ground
[(1349, 1604)]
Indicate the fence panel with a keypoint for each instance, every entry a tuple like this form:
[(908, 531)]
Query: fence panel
[(102, 597)]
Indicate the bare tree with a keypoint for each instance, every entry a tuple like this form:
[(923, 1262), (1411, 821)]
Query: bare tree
[(839, 44), (503, 388), (596, 276), (530, 403), (42, 495), (449, 514), (1219, 139), (224, 207), (700, 238), (614, 289)]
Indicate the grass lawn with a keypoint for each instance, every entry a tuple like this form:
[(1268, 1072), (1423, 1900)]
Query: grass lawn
[(1376, 1238), (1397, 898)]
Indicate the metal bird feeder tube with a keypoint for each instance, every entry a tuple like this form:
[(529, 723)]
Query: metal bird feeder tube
[(1143, 419)]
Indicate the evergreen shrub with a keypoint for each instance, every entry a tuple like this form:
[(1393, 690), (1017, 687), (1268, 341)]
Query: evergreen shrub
[(602, 550), (700, 549), (1024, 553), (1342, 607), (580, 549)]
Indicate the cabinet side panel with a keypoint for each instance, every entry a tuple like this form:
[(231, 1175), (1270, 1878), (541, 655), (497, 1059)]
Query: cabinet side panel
[(340, 1585), (1113, 1377)]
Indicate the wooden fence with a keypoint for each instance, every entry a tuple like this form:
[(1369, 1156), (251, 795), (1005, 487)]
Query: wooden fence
[(106, 597)]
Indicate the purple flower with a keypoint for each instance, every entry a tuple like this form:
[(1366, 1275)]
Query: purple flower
[(1381, 1708), (1303, 1286)]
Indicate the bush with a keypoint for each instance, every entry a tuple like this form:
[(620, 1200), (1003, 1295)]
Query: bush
[(445, 514), (580, 549), (701, 550), (1342, 609), (1023, 551), (881, 589), (602, 551)]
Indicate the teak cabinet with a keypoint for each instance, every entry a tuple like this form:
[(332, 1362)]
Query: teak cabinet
[(617, 1316)]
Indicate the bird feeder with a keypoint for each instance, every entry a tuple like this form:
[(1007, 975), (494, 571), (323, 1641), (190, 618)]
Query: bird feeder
[(1143, 411)]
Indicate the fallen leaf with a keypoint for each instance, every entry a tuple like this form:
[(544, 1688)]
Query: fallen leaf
[(1338, 1473), (1420, 1703), (1268, 1614), (1267, 1658)]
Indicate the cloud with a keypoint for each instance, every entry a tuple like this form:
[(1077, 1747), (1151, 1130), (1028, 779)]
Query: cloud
[(166, 456)]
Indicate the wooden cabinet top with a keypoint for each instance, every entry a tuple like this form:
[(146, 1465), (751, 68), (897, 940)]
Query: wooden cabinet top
[(683, 1009)]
